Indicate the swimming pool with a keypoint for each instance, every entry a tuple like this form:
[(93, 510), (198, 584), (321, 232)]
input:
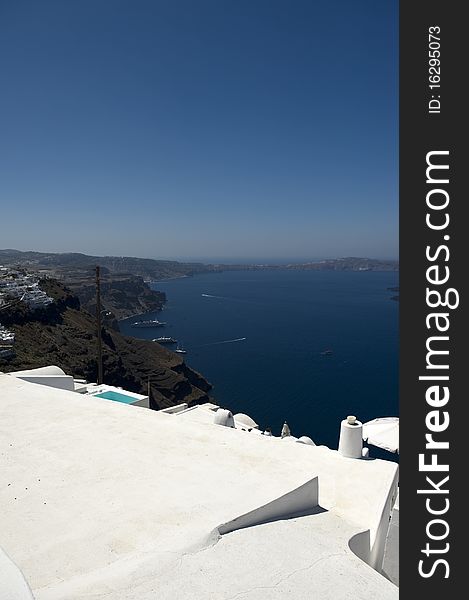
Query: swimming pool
[(116, 396)]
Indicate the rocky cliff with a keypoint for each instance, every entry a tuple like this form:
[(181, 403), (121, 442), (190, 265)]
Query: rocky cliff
[(64, 334), (122, 295), (64, 266)]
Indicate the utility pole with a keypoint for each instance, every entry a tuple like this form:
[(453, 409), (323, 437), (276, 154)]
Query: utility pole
[(98, 324)]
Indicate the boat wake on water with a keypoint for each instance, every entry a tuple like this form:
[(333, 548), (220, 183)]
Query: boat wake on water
[(211, 296), (225, 342)]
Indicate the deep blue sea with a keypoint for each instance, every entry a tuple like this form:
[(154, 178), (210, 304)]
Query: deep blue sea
[(258, 337)]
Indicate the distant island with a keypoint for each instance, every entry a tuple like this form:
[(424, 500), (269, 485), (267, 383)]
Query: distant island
[(75, 265)]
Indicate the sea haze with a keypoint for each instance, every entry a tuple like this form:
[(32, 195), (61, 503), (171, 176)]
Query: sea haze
[(260, 336)]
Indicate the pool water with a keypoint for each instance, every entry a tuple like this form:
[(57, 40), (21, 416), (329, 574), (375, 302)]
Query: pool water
[(110, 395)]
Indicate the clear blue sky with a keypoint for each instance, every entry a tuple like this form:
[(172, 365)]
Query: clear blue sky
[(200, 128)]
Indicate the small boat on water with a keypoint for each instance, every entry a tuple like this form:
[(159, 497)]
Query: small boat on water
[(150, 323), (180, 350), (326, 353), (165, 340)]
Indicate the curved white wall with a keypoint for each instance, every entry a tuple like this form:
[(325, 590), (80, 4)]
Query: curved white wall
[(13, 585)]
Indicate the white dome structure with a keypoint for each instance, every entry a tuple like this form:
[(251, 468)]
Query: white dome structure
[(224, 417), (50, 370), (51, 376), (245, 421), (304, 439)]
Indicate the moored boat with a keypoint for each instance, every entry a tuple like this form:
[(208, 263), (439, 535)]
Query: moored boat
[(149, 323), (165, 340)]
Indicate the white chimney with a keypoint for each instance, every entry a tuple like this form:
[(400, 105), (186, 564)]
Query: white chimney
[(351, 440)]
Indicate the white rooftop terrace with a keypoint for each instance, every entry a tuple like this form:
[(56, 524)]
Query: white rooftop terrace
[(111, 501), (55, 377)]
